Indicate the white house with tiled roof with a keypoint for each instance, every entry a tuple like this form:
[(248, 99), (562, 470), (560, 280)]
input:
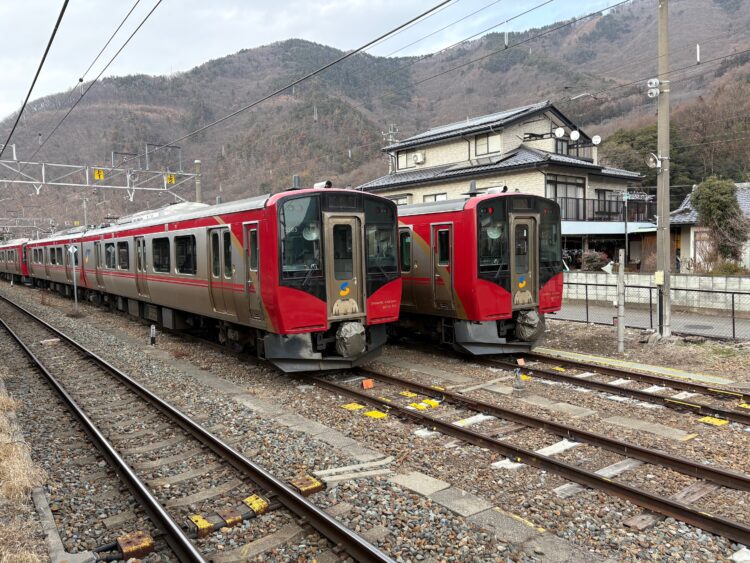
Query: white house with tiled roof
[(692, 240), (533, 149)]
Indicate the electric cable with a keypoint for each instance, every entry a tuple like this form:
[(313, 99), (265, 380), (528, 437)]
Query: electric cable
[(36, 76)]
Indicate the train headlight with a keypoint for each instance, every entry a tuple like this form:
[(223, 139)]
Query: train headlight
[(494, 232)]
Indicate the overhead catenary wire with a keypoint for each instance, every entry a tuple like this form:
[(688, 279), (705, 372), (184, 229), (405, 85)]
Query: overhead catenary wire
[(93, 82), (295, 82), (36, 75)]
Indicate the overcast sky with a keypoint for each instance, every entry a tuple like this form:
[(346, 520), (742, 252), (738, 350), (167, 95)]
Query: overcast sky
[(184, 33)]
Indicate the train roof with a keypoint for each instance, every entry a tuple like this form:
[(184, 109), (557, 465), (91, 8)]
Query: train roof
[(188, 210), (449, 205), (14, 242)]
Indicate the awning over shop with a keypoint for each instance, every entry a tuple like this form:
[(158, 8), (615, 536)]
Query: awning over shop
[(572, 228)]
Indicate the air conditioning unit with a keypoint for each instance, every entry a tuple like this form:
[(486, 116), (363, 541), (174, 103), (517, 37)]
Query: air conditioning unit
[(418, 158)]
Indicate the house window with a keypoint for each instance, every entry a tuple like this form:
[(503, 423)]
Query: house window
[(406, 160), (568, 191), (561, 146), (400, 199), (435, 197), (486, 144)]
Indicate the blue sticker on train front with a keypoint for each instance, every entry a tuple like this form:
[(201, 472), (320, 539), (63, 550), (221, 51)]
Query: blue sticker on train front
[(522, 282), (344, 289)]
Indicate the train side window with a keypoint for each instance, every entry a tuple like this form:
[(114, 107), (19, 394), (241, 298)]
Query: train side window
[(342, 252), (59, 252), (405, 246), (109, 255), (97, 253), (52, 256), (444, 248), (252, 250), (184, 254), (160, 254), (227, 253), (123, 256)]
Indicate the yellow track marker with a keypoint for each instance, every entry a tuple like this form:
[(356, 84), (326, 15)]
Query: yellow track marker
[(431, 402), (744, 406), (712, 420), (558, 368), (375, 414), (407, 394), (418, 406), (352, 406)]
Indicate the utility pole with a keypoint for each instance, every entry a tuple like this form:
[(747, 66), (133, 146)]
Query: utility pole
[(663, 238), (198, 189), (85, 213)]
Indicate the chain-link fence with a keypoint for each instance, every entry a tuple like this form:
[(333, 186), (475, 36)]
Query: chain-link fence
[(703, 312)]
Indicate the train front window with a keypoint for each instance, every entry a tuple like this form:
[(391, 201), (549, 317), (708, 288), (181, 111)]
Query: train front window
[(300, 233), (342, 252), (493, 239), (381, 253)]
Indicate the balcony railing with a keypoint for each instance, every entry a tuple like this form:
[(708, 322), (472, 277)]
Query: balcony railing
[(576, 209)]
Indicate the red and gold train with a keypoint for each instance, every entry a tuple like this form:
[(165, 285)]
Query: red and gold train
[(480, 273), (307, 278)]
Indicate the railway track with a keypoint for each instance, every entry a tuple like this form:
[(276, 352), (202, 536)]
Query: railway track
[(139, 433), (625, 377), (397, 397)]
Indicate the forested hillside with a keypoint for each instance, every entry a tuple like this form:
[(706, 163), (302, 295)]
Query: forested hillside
[(330, 127)]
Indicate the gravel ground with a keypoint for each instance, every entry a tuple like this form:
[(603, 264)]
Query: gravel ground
[(714, 357), (590, 520)]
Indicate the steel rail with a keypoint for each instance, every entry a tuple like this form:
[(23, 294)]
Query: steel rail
[(692, 386), (182, 547), (677, 404), (716, 524), (348, 540), (718, 475)]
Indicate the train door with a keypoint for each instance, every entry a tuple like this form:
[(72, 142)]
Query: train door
[(252, 286), (141, 268), (442, 266), (407, 265), (221, 270), (523, 261), (98, 264), (344, 275)]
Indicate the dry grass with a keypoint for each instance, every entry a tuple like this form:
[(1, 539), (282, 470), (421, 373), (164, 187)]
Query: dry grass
[(18, 475), (15, 546)]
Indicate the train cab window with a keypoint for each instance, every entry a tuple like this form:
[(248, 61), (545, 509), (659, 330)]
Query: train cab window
[(75, 256), (299, 225), (252, 250), (444, 248), (492, 240), (215, 254), (160, 254), (549, 237), (227, 236), (123, 256), (343, 268), (59, 253), (184, 254), (522, 248), (405, 247)]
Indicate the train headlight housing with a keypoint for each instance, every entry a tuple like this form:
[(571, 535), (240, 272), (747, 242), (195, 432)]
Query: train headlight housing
[(311, 232)]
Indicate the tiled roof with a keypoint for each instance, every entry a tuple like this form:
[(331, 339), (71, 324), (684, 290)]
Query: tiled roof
[(472, 125), (685, 214), (522, 157)]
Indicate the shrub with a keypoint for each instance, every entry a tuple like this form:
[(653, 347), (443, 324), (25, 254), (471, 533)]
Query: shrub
[(728, 268), (593, 260)]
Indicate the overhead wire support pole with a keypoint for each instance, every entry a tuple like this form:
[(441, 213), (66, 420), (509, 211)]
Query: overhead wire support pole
[(663, 237)]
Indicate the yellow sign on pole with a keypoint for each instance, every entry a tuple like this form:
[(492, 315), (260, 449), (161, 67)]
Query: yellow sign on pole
[(170, 178), (98, 174)]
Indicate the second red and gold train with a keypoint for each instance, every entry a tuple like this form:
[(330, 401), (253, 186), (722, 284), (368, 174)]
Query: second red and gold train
[(311, 279)]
